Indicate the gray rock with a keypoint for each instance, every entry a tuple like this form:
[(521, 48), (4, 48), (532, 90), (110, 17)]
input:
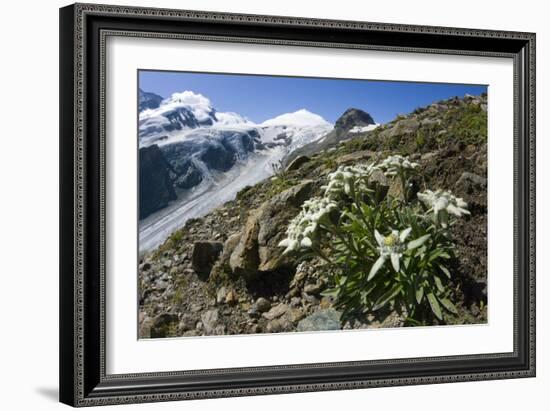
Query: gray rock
[(195, 308), (293, 196), (310, 298), (328, 319), (278, 325), (276, 311), (161, 285), (297, 163), (231, 297), (257, 250), (295, 301), (429, 156), (162, 324), (253, 312), (244, 259), (229, 246), (205, 254), (145, 327), (262, 304), (381, 184), (209, 321), (220, 295), (471, 182), (187, 323), (314, 289), (294, 315)]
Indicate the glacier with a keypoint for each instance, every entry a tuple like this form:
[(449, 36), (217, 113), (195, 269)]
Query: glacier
[(216, 155)]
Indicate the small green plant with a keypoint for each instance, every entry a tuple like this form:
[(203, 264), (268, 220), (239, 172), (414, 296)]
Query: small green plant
[(420, 139), (383, 252)]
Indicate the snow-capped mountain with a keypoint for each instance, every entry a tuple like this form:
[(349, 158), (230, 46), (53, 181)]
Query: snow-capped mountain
[(181, 111), (210, 156)]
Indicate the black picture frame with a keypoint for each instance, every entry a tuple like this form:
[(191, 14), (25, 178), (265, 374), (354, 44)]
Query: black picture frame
[(83, 30)]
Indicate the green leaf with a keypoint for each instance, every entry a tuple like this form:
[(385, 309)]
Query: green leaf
[(419, 294), (434, 305), (439, 284), (375, 267), (418, 242), (445, 270), (438, 253), (332, 292), (396, 289), (448, 305)]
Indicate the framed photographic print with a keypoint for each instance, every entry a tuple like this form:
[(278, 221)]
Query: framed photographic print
[(260, 204)]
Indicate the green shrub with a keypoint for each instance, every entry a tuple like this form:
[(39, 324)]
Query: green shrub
[(383, 253)]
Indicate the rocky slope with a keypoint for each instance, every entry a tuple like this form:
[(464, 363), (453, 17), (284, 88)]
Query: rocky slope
[(224, 274)]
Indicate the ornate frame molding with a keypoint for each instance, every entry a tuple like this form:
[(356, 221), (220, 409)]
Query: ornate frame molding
[(83, 378)]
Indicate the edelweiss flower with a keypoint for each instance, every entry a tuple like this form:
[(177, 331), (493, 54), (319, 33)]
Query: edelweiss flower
[(443, 201), (392, 246), (303, 227), (347, 179), (395, 164)]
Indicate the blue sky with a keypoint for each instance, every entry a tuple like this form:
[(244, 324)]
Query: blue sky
[(260, 98)]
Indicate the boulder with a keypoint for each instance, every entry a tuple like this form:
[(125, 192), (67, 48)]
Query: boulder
[(297, 163), (209, 321), (273, 221), (314, 289), (205, 254), (381, 184), (262, 304), (220, 295), (278, 325), (244, 259), (401, 127), (471, 182), (276, 311), (257, 249), (327, 319)]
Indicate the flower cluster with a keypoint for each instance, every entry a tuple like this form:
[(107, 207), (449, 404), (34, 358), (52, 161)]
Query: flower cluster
[(302, 228), (443, 203), (382, 252), (397, 164), (349, 179)]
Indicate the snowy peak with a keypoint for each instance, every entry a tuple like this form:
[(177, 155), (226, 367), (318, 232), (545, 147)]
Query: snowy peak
[(183, 112), (300, 118), (177, 112), (188, 115), (197, 104)]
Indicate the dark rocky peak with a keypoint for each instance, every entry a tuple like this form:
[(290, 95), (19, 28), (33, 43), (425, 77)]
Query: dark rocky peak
[(353, 117), (148, 100)]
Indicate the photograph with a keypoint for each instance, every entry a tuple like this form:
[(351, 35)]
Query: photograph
[(274, 204)]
